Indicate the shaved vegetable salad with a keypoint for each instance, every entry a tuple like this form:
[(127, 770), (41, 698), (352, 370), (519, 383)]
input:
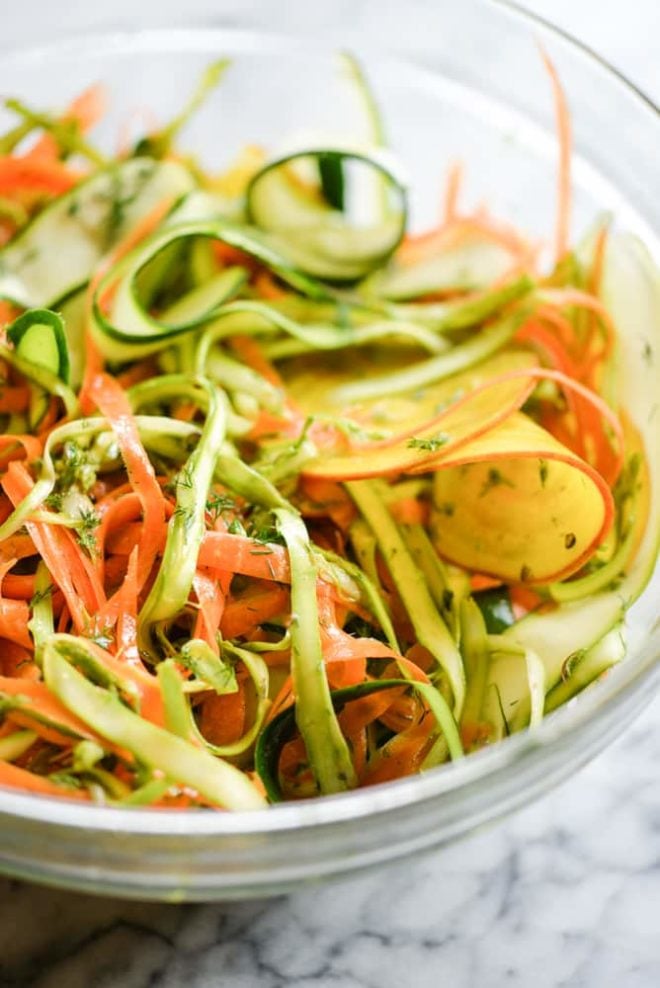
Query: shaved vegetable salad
[(293, 500)]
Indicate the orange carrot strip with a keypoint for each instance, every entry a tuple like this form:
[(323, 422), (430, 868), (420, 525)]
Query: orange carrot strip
[(328, 499), (480, 581), (239, 554), (114, 405), (360, 713), (48, 176), (222, 719), (523, 599), (127, 605), (71, 570), (409, 511), (14, 399), (211, 596), (146, 684), (14, 616), (14, 777), (402, 755), (227, 256), (122, 541), (565, 137), (8, 312), (248, 349), (452, 191), (86, 110), (19, 447), (244, 613), (563, 297), (140, 371), (17, 661), (18, 547), (44, 704), (267, 287), (121, 610)]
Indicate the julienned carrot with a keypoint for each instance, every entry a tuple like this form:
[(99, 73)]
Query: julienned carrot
[(227, 255), (564, 133), (20, 174), (14, 616), (409, 511), (122, 541), (452, 192), (70, 568), (249, 351), (120, 611), (402, 755), (267, 287), (360, 713), (240, 554), (19, 447), (327, 499), (222, 718), (211, 591), (51, 719), (19, 778), (575, 297), (14, 399), (113, 403), (465, 229), (242, 614), (479, 581), (8, 312), (608, 453), (120, 530), (18, 661), (142, 686), (85, 110)]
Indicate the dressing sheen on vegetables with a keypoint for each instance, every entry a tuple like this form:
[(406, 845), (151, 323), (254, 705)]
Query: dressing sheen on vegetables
[(294, 501)]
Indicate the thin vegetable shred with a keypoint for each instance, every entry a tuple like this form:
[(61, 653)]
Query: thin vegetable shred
[(294, 501)]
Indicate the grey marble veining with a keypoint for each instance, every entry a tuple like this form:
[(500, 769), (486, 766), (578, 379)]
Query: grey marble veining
[(566, 894)]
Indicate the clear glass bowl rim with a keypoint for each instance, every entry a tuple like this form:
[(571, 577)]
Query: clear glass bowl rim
[(629, 686)]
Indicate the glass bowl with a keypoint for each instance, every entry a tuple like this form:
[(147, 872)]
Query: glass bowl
[(461, 81)]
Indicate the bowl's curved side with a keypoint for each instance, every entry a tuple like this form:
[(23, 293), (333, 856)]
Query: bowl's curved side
[(491, 122), (171, 860)]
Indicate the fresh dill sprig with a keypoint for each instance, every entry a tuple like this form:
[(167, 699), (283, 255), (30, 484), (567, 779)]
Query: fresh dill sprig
[(86, 531)]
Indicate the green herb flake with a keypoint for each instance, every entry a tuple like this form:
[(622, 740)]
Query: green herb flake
[(494, 479), (431, 444)]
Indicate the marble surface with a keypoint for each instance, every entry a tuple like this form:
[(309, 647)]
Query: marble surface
[(564, 895)]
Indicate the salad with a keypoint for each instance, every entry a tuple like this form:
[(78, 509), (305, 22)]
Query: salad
[(293, 500)]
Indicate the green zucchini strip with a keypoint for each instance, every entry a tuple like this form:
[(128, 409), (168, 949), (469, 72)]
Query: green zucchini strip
[(103, 711), (171, 588), (55, 255), (179, 716), (283, 727), (327, 749), (431, 630), (480, 346), (310, 223)]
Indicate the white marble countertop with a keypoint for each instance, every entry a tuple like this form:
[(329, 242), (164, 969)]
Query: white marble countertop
[(566, 893)]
